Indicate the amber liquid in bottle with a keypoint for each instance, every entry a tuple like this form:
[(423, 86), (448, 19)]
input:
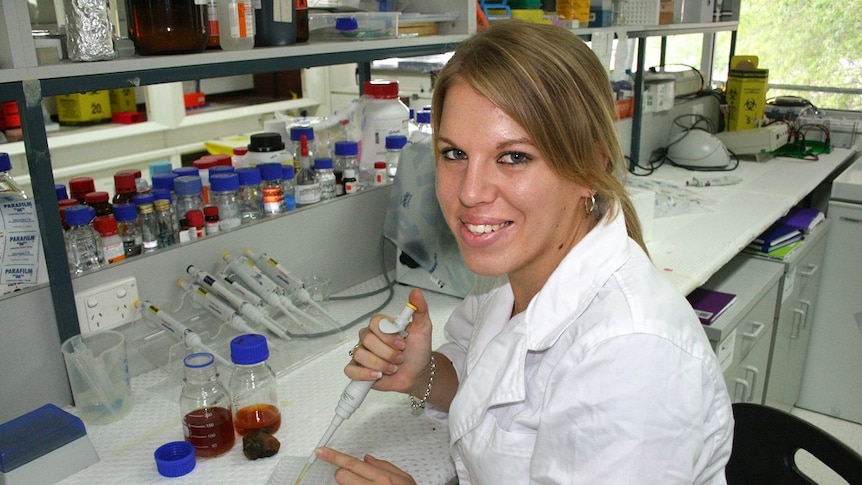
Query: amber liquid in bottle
[(301, 20), (251, 418), (210, 431)]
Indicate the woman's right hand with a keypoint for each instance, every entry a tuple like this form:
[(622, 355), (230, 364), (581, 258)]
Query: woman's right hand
[(395, 362)]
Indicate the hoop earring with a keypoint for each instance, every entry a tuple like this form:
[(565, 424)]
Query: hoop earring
[(590, 203)]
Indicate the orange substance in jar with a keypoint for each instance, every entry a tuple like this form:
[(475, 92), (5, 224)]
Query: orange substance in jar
[(251, 418)]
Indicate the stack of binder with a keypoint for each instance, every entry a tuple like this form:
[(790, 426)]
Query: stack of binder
[(786, 233)]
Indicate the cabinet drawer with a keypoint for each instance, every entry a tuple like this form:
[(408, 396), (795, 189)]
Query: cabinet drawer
[(746, 381), (756, 325)]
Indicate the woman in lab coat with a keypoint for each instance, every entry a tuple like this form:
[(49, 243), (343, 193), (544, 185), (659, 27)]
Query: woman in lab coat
[(573, 360)]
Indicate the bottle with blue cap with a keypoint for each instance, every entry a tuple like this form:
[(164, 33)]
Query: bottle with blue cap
[(189, 192), (250, 194), (83, 244), (8, 188), (224, 194), (128, 228), (253, 386)]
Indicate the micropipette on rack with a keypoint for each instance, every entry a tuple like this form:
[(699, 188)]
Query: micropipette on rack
[(263, 285), (244, 308), (290, 283), (215, 305), (153, 314), (355, 392)]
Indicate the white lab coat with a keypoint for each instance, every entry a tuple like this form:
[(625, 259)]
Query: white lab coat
[(606, 378)]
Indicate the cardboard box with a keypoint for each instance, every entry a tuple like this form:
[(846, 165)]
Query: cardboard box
[(665, 12), (123, 100), (746, 92)]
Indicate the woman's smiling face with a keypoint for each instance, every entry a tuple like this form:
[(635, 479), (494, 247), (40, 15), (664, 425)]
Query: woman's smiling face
[(510, 212)]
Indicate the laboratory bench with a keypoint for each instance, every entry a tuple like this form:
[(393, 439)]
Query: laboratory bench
[(696, 232)]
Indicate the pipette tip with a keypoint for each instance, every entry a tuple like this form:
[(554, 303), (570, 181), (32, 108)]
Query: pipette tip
[(302, 473)]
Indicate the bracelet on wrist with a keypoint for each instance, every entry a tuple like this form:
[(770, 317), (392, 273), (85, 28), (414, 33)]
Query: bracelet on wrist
[(418, 404)]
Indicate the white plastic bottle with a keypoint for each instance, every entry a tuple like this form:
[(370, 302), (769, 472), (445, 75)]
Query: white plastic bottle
[(236, 24), (380, 114)]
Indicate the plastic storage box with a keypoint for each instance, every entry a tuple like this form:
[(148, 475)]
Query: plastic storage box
[(353, 25), (842, 126)]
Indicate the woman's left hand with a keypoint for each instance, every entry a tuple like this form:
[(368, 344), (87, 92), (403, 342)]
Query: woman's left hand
[(369, 470)]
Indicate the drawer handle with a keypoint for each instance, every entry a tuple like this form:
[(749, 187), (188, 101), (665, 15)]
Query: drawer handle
[(798, 323), (754, 373), (745, 387), (807, 304), (811, 271), (758, 329)]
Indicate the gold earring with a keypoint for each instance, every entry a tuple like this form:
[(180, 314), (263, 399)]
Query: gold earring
[(590, 203)]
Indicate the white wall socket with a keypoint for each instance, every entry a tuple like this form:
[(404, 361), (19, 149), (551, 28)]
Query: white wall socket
[(107, 306)]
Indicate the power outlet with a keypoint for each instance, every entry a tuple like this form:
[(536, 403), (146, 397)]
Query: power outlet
[(107, 306)]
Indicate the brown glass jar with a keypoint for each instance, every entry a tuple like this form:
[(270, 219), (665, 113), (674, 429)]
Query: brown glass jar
[(168, 26), (301, 20)]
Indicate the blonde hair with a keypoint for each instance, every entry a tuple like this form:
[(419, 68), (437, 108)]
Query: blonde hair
[(550, 82)]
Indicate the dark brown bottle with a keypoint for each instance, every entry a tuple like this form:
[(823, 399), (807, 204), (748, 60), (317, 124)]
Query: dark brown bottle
[(275, 26), (168, 26), (301, 20)]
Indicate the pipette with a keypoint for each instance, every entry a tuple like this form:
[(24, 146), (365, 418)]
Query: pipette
[(153, 314), (290, 283), (244, 308), (215, 305), (263, 285), (355, 392)]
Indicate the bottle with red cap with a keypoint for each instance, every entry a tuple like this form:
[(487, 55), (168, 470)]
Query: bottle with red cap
[(99, 202), (380, 113), (112, 243), (81, 186), (125, 187), (196, 222)]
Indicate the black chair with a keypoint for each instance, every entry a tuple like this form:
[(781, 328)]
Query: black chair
[(765, 443)]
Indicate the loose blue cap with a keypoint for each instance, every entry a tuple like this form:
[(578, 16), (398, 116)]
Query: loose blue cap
[(346, 23), (288, 172), (164, 180), (249, 349), (175, 459), (6, 163), (60, 189), (423, 117)]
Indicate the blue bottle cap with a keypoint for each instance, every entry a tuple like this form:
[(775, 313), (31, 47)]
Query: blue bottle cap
[(188, 185), (322, 163), (395, 142), (5, 162), (221, 169), (161, 167), (181, 171), (346, 148), (175, 459), (224, 182), (249, 176), (164, 180), (125, 212), (298, 131), (60, 189), (144, 199), (346, 24), (270, 171), (288, 172), (78, 215), (423, 117), (161, 194), (249, 349)]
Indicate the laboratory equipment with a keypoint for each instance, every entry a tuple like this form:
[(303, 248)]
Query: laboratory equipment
[(253, 387), (697, 149), (83, 243), (380, 113), (250, 194), (156, 316), (264, 286), (112, 244), (205, 407), (8, 186), (168, 26), (236, 24), (270, 186), (126, 215), (326, 178), (307, 184), (215, 305), (355, 392), (224, 194), (243, 307), (831, 382), (290, 284)]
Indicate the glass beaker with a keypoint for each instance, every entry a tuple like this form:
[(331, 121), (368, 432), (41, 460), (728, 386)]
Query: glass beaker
[(98, 372)]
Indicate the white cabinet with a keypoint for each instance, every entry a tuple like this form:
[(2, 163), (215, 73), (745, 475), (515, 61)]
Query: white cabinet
[(795, 312), (742, 336)]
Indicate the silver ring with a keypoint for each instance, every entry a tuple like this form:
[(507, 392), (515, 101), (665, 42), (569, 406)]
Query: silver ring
[(353, 350)]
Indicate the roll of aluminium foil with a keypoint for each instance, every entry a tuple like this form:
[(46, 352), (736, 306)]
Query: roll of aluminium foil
[(89, 33)]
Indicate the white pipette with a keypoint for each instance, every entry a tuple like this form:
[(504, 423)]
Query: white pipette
[(243, 307), (355, 392), (290, 283), (216, 306), (155, 315)]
